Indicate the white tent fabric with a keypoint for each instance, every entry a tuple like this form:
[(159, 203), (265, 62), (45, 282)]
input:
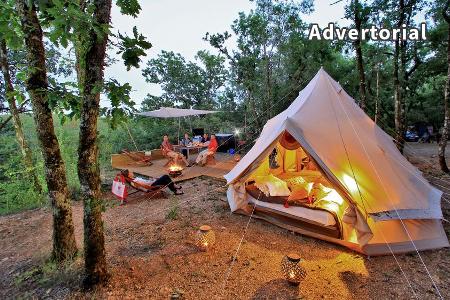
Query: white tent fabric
[(355, 153), (172, 112)]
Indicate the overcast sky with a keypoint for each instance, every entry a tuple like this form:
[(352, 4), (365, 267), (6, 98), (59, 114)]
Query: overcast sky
[(180, 25)]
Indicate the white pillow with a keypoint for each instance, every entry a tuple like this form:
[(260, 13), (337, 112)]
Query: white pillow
[(272, 186), (277, 187), (263, 188)]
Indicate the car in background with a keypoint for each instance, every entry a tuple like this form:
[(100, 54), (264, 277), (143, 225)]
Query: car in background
[(411, 136)]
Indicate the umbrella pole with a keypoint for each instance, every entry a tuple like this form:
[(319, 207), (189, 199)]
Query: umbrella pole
[(179, 127)]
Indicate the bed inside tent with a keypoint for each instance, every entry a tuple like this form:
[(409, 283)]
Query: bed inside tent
[(289, 187)]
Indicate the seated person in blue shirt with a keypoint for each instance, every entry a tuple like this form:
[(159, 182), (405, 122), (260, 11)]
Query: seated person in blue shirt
[(205, 139), (185, 141)]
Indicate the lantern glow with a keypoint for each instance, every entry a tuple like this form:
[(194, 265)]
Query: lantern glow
[(291, 268), (205, 238)]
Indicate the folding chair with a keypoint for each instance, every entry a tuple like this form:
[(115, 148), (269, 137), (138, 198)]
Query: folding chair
[(149, 190)]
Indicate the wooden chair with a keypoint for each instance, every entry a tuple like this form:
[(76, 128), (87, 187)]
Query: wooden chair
[(170, 160), (211, 159), (139, 158)]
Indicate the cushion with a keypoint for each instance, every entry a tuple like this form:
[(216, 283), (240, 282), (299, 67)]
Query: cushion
[(272, 184), (262, 187), (297, 183), (318, 191), (277, 187), (299, 195)]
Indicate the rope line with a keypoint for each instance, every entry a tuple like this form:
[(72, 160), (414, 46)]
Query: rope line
[(393, 205), (228, 273), (362, 200)]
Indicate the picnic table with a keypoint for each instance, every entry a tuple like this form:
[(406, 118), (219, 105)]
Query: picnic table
[(197, 148)]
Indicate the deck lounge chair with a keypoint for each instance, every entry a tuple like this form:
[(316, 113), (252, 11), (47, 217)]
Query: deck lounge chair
[(149, 190)]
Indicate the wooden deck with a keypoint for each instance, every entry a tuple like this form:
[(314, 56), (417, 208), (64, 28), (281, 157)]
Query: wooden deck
[(224, 163)]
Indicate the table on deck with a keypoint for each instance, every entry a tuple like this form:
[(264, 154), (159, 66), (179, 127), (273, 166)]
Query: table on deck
[(188, 148)]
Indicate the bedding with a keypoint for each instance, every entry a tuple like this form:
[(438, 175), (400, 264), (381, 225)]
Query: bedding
[(331, 202), (318, 216), (272, 186)]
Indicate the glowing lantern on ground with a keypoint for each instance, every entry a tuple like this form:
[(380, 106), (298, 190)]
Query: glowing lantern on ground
[(291, 268), (205, 237)]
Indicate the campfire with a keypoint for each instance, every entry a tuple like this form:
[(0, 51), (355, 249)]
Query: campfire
[(175, 170)]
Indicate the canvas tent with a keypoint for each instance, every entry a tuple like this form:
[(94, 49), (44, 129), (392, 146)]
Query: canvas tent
[(375, 201)]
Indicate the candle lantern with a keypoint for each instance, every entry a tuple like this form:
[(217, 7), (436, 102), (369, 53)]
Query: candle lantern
[(205, 237), (292, 269)]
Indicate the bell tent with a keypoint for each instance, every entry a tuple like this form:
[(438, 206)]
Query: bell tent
[(323, 168)]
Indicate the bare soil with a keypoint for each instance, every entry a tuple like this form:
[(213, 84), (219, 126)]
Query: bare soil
[(151, 254)]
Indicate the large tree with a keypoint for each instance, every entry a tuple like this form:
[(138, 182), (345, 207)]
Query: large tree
[(64, 245), (358, 12), (91, 50), (445, 131), (86, 24), (15, 114)]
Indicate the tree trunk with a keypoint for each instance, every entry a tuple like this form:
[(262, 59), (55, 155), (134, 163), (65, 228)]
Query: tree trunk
[(64, 246), (91, 63), (443, 141), (24, 148), (377, 99), (359, 58), (398, 86)]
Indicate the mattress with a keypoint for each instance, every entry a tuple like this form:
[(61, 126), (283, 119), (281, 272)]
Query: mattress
[(321, 217)]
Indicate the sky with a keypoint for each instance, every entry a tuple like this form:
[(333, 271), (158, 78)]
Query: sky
[(180, 25)]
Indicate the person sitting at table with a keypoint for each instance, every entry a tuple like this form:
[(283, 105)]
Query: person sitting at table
[(205, 140), (163, 181), (186, 142), (212, 148), (168, 151)]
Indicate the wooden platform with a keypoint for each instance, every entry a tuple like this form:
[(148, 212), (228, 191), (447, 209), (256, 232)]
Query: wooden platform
[(224, 163)]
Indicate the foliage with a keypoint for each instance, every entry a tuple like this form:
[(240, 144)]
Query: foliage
[(271, 62), (133, 48), (173, 212), (186, 84)]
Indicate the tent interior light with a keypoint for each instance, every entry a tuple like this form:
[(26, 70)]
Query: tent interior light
[(350, 183)]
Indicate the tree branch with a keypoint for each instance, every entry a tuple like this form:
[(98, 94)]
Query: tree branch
[(445, 12), (20, 109)]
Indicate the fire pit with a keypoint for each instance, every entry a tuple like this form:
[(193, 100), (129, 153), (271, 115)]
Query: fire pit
[(175, 170)]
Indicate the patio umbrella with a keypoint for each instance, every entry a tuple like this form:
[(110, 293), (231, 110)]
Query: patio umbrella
[(172, 112)]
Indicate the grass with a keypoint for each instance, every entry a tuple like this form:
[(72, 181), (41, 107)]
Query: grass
[(49, 274), (172, 214)]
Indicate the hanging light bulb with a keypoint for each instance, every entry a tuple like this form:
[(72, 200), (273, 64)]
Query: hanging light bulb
[(291, 268), (205, 238)]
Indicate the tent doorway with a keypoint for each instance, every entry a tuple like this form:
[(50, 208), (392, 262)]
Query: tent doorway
[(290, 187)]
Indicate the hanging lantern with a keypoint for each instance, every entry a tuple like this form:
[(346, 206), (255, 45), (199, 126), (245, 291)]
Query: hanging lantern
[(292, 269), (273, 159), (205, 237)]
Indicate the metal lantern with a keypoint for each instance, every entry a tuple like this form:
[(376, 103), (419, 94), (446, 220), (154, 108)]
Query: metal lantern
[(291, 268), (205, 237)]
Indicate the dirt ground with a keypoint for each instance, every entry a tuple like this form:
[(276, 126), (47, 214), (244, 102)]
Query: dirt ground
[(151, 255)]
